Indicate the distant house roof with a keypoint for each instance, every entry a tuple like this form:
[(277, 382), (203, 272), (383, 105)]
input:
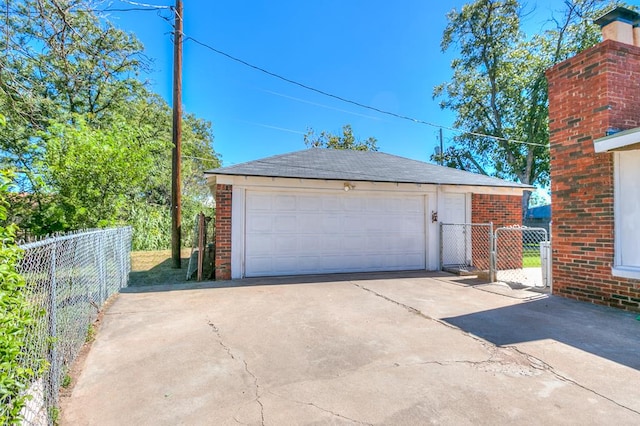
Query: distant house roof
[(539, 212), (373, 166)]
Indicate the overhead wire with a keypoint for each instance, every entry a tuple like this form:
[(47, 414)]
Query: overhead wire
[(356, 103), (186, 38), (146, 5)]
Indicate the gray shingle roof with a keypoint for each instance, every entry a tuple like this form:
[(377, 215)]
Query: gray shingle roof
[(331, 164)]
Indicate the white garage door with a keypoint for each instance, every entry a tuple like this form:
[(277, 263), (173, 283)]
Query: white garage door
[(312, 233)]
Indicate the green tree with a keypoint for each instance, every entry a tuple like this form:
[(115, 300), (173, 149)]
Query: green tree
[(335, 141), (96, 172), (90, 144), (151, 217), (499, 89), (60, 61)]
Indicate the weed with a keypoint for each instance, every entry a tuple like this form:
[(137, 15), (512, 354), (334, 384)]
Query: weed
[(66, 381), (91, 333)]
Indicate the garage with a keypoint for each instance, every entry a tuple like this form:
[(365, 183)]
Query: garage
[(322, 232), (320, 211)]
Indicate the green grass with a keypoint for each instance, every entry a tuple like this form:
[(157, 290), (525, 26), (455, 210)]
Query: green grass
[(531, 258)]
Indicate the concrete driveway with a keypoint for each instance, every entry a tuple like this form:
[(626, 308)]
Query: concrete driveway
[(394, 348)]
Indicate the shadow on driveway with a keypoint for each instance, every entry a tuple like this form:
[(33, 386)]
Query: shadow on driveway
[(602, 331), (163, 285)]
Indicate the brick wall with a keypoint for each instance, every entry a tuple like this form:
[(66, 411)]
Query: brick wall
[(223, 232), (502, 210), (588, 94)]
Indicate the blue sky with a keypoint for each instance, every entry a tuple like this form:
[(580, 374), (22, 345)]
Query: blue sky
[(379, 53)]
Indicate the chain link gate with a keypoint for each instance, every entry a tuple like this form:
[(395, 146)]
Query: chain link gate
[(466, 247), (512, 255), (521, 256)]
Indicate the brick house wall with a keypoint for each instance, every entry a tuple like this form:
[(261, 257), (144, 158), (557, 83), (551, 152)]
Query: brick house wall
[(502, 210), (222, 261), (597, 90)]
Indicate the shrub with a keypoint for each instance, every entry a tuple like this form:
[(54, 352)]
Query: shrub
[(16, 318)]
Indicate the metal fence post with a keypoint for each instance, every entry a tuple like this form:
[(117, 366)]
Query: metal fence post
[(441, 250), (102, 273), (550, 271), (492, 254), (121, 263), (54, 368)]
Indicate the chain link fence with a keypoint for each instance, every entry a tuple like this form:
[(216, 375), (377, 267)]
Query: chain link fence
[(69, 278), (519, 256), (466, 247)]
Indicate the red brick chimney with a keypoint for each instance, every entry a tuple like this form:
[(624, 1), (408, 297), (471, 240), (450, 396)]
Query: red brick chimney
[(592, 95)]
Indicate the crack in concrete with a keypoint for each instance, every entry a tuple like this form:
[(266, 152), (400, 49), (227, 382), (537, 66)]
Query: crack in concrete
[(546, 367), (220, 342), (325, 410), (411, 309), (246, 369), (534, 362), (257, 390), (238, 421)]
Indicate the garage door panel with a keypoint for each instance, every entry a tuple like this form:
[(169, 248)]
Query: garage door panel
[(286, 244), (328, 243), (353, 204), (282, 223), (261, 245), (340, 263), (352, 242), (324, 233), (261, 265), (411, 205), (308, 223), (309, 203), (377, 205), (260, 223), (259, 202), (410, 224), (331, 223), (331, 204), (284, 203), (308, 264)]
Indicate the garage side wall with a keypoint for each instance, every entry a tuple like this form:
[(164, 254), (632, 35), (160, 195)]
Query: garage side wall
[(223, 232), (589, 94), (502, 210)]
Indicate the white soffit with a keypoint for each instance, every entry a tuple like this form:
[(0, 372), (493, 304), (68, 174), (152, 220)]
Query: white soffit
[(621, 141)]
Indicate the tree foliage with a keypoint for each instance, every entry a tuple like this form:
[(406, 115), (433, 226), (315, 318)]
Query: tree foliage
[(90, 144), (499, 89), (346, 140), (17, 317)]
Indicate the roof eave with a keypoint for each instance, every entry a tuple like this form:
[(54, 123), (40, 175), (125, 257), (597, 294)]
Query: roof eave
[(621, 141), (521, 186)]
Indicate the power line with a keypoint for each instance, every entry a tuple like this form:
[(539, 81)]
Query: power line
[(212, 160), (349, 101), (146, 5), (130, 9), (152, 7)]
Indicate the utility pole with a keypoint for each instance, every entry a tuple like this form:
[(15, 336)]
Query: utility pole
[(176, 138), (441, 159)]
